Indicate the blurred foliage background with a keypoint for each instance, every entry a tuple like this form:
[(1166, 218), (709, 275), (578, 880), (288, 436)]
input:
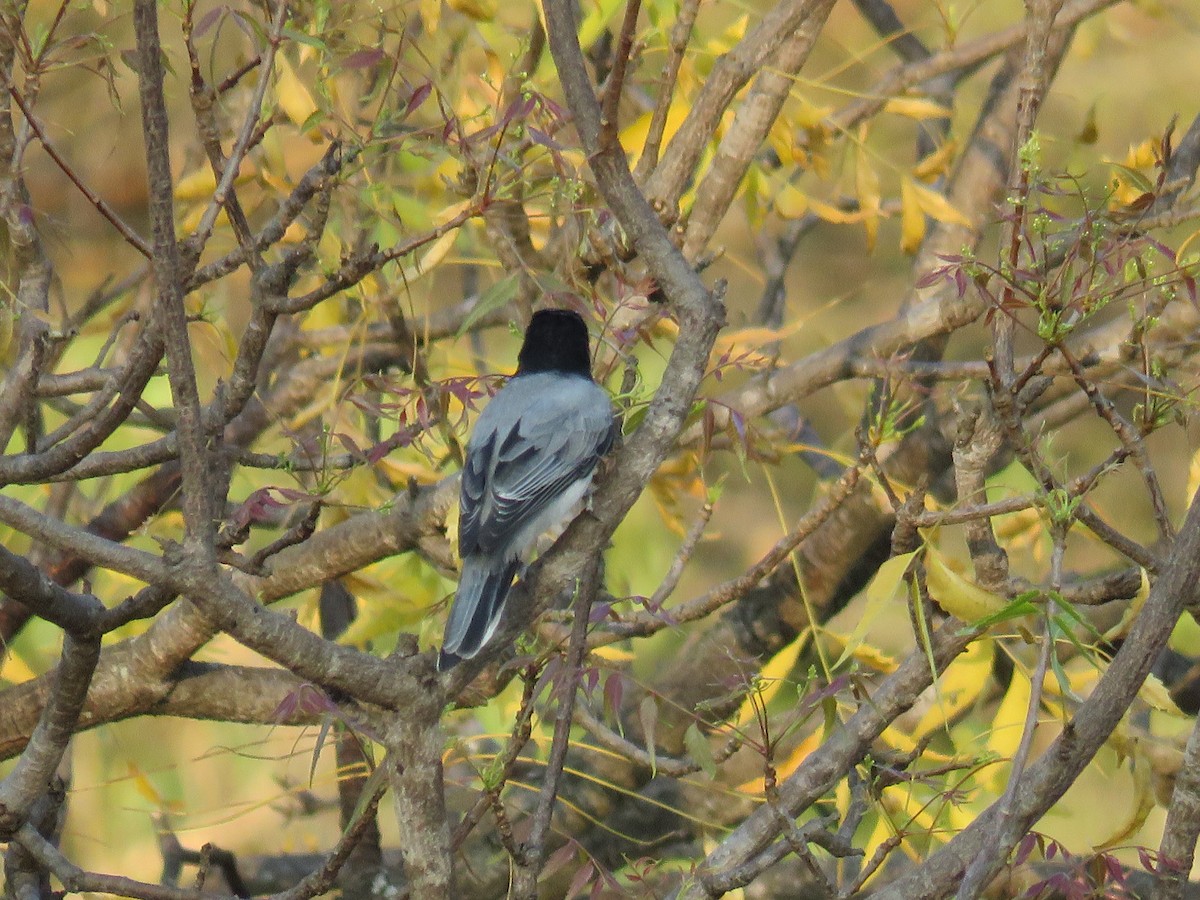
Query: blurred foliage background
[(394, 81)]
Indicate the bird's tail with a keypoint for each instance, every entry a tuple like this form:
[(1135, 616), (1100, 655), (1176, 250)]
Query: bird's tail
[(478, 604)]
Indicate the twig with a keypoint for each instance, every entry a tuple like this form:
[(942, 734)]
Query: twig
[(126, 231), (521, 731), (196, 472), (322, 879), (1005, 836), (78, 880), (414, 741), (646, 623), (681, 33), (1040, 16), (1130, 438), (609, 739), (729, 74), (978, 441), (841, 750), (671, 580), (204, 229), (297, 534), (534, 848), (610, 108), (751, 124), (359, 265), (966, 55)]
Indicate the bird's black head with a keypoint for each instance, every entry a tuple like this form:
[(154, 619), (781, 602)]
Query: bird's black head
[(555, 341)]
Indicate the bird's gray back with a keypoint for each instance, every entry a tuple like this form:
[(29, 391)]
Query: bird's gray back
[(538, 435)]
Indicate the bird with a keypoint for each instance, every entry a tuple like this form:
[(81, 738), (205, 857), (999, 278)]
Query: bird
[(529, 460)]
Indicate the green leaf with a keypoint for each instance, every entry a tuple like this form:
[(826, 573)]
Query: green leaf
[(301, 38), (881, 589), (1135, 178), (498, 295), (648, 714), (700, 751), (375, 783), (326, 726), (1013, 610)]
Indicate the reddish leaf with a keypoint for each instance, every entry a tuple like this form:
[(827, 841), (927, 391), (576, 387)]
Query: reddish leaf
[(286, 708), (1115, 871), (209, 19), (560, 857), (1024, 849), (351, 447), (364, 59), (540, 137), (581, 879), (614, 693), (417, 98)]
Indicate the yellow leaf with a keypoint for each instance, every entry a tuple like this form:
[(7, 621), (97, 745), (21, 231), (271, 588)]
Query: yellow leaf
[(866, 185), (1193, 482), (955, 594), (790, 202), (722, 43), (809, 115), (881, 589), (912, 219), (401, 470), (431, 14), (14, 669), (883, 831), (781, 137), (1155, 693), (914, 815), (936, 163), (772, 679), (898, 739), (1135, 605), (936, 205), (633, 136), (430, 258), (790, 764), (1185, 636), (916, 108), (276, 182), (831, 213), (1141, 156), (875, 659), (597, 19), (294, 98), (392, 595), (906, 812), (959, 687), (144, 786), (199, 185), (1007, 725), (1181, 251), (871, 657), (613, 653), (753, 338), (1139, 810), (8, 319), (479, 10)]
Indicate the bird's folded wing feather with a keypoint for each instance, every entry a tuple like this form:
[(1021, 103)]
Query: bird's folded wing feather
[(511, 477)]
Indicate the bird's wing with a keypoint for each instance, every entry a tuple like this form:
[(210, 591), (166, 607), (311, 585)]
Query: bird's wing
[(525, 456)]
